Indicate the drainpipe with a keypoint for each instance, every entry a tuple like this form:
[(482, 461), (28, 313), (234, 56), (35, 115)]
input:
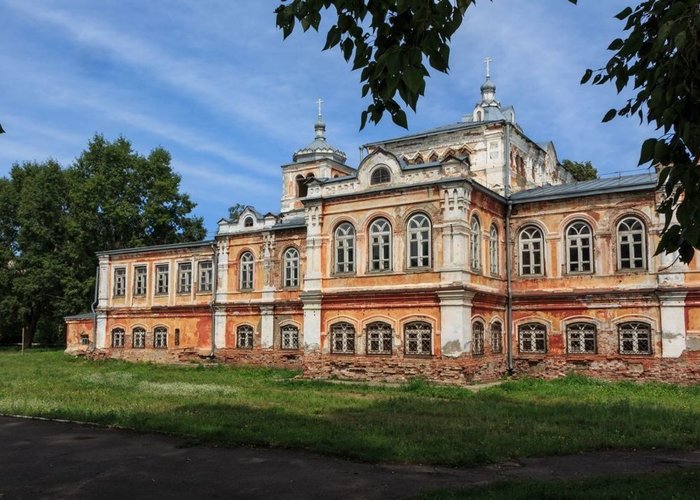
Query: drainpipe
[(509, 264), (212, 302), (93, 305)]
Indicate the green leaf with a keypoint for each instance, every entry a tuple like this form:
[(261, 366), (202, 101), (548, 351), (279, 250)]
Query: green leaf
[(647, 153), (609, 115)]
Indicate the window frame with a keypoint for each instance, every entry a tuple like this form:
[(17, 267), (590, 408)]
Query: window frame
[(496, 345), (494, 260), (246, 271), (344, 245), (186, 286), (631, 245), (478, 338), (377, 176), (245, 337), (160, 337), (141, 331), (422, 232), (289, 337), (291, 268), (584, 329), (205, 275), (346, 333), (119, 289), (575, 242), (475, 243), (535, 329), (140, 280), (162, 281), (635, 327), (525, 247), (381, 334), (382, 240), (118, 337), (424, 333)]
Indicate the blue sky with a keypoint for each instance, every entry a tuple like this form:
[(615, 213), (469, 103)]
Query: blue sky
[(214, 83)]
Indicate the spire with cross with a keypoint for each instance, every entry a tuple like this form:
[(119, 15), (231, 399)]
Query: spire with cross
[(488, 67), (320, 126)]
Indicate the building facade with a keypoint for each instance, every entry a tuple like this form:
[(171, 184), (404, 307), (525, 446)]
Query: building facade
[(459, 255)]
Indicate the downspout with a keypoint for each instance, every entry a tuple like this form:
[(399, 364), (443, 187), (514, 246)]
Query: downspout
[(509, 264), (212, 302), (94, 305)]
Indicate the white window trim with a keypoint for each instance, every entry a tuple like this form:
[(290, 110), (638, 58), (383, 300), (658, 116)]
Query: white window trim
[(526, 245), (421, 233), (578, 241), (629, 234), (345, 243), (381, 238)]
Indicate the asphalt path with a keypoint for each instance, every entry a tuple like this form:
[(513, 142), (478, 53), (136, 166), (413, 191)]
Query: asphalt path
[(55, 460)]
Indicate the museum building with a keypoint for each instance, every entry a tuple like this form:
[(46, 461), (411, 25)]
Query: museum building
[(459, 254)]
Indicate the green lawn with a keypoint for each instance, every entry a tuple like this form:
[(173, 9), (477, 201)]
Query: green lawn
[(417, 422), (679, 484)]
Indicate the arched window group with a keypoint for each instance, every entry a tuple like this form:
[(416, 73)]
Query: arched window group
[(418, 338), (579, 249)]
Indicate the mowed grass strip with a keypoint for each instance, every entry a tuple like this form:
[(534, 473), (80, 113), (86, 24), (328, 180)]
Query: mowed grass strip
[(678, 484), (416, 422)]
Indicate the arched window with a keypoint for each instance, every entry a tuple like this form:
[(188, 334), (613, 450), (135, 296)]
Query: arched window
[(493, 250), (246, 271), (160, 337), (532, 338), (478, 338), (631, 252), (343, 338), (302, 189), (138, 337), (380, 175), (531, 261), (579, 253), (418, 338), (291, 268), (635, 338), (345, 248), (475, 243), (244, 337), (580, 338), (290, 337), (380, 245), (419, 241), (248, 222), (496, 336), (379, 338), (118, 337)]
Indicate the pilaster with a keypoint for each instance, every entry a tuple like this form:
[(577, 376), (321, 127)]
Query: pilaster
[(103, 288), (267, 326), (220, 329), (312, 321), (101, 330), (455, 321), (673, 327), (221, 271)]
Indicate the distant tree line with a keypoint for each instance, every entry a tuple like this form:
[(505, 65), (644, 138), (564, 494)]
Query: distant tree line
[(54, 219)]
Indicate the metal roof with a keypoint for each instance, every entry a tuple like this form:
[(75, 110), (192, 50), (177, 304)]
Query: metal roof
[(171, 246), (76, 317), (639, 182)]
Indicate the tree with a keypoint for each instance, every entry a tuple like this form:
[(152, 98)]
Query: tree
[(659, 59), (582, 171), (389, 40), (235, 211), (33, 227), (52, 221)]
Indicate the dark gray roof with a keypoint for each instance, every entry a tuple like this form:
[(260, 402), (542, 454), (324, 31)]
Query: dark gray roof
[(639, 182), (437, 130), (76, 317), (171, 246)]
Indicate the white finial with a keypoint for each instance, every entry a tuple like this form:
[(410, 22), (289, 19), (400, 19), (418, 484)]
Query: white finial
[(488, 68), (320, 102)]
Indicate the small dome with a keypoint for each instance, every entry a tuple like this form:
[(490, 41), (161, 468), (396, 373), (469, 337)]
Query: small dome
[(319, 148), (488, 85)]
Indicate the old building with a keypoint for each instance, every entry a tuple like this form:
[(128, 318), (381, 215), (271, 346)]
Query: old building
[(458, 254)]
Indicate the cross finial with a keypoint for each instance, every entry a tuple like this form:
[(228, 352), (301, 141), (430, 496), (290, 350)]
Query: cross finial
[(320, 102), (488, 67)]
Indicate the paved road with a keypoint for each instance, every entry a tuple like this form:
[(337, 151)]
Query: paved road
[(42, 459)]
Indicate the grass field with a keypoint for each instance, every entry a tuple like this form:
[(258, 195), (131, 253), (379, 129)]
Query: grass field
[(417, 422), (681, 484)]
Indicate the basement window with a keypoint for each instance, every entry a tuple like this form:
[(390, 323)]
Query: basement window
[(532, 338)]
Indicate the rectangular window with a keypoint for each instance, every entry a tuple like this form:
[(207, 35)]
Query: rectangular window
[(635, 338), (581, 338), (205, 276), (140, 280), (119, 281), (84, 339), (533, 338), (162, 275), (184, 277), (160, 338)]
